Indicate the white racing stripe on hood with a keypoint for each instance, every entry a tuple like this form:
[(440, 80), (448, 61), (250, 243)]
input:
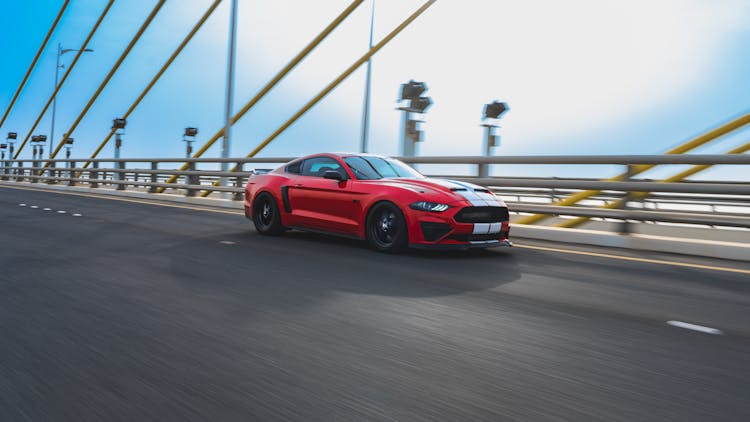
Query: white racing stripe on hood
[(478, 199)]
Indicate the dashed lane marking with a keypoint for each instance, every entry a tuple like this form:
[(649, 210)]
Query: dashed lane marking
[(695, 327), (61, 212), (47, 209), (76, 215), (636, 259), (21, 205), (227, 242), (34, 207)]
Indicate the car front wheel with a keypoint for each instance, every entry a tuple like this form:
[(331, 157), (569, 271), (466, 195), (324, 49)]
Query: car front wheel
[(386, 228)]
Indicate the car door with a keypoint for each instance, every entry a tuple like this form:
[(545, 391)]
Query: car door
[(320, 203)]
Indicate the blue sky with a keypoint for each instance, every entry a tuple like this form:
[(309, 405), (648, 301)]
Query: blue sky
[(581, 77)]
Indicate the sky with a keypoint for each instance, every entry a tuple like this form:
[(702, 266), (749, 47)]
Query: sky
[(580, 76)]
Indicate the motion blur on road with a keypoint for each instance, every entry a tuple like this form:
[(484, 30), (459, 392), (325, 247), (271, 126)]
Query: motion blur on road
[(113, 309)]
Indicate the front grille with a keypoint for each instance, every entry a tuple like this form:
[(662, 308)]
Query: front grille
[(434, 231), (468, 237), (482, 215)]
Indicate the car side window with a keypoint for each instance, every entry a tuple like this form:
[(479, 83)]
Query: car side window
[(318, 166), (294, 168)]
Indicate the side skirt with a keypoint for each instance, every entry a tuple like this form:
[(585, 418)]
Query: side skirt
[(318, 231)]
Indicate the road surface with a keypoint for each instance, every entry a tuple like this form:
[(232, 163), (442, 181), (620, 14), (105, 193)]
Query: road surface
[(120, 310)]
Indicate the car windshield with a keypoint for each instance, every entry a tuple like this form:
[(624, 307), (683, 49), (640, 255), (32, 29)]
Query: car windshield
[(373, 168)]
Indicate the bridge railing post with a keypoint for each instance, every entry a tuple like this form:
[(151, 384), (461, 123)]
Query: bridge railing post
[(71, 173), (50, 173), (154, 176), (625, 226), (33, 172), (238, 196), (120, 175), (191, 179), (94, 175), (19, 172)]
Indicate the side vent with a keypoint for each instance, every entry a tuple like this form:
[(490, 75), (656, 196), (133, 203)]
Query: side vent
[(285, 199)]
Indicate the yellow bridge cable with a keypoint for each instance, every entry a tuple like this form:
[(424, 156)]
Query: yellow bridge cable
[(33, 62), (687, 146), (111, 73), (335, 83), (158, 75), (273, 82), (65, 76), (640, 195)]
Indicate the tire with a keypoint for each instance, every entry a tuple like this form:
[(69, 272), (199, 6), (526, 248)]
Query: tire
[(386, 228), (266, 216)]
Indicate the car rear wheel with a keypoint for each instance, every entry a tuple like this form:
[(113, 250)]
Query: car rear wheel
[(266, 215), (386, 228)]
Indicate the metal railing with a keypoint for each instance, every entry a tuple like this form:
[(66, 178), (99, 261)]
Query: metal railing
[(149, 174)]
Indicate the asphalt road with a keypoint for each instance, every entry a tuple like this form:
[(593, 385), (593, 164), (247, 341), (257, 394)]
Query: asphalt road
[(139, 312)]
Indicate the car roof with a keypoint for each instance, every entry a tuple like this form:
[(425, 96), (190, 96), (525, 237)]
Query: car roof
[(340, 155), (356, 154)]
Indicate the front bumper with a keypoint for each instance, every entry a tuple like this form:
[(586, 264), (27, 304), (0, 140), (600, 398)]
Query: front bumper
[(430, 230)]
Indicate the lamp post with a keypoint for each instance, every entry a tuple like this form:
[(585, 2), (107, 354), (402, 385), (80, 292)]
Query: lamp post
[(58, 66), (368, 87), (226, 143), (118, 125), (11, 138), (189, 137), (492, 113), (68, 146), (411, 132), (39, 141)]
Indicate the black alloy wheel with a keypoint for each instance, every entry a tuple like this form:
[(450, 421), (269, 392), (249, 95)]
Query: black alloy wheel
[(266, 215), (386, 228)]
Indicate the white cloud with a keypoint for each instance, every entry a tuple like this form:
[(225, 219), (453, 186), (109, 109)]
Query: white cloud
[(564, 67)]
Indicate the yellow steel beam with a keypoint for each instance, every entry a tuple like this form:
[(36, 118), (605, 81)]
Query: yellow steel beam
[(65, 76), (109, 76), (156, 77), (335, 83), (574, 222), (273, 82), (33, 62), (687, 146)]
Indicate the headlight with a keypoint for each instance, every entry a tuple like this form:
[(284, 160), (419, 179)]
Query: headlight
[(428, 206)]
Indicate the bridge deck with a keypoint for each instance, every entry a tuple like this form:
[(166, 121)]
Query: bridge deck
[(138, 311)]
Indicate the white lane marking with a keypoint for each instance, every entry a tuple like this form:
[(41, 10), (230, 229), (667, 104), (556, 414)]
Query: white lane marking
[(76, 215), (61, 212), (34, 207), (228, 242), (48, 209), (694, 327), (21, 205)]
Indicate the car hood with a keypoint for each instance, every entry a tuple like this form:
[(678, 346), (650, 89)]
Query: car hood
[(447, 191)]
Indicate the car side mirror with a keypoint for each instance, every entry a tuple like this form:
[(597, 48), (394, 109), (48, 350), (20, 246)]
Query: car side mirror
[(333, 174)]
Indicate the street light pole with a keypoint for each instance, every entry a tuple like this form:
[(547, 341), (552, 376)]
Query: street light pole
[(368, 83), (226, 143), (54, 100), (60, 52)]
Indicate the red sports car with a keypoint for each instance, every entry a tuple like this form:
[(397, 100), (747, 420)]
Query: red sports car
[(375, 198)]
